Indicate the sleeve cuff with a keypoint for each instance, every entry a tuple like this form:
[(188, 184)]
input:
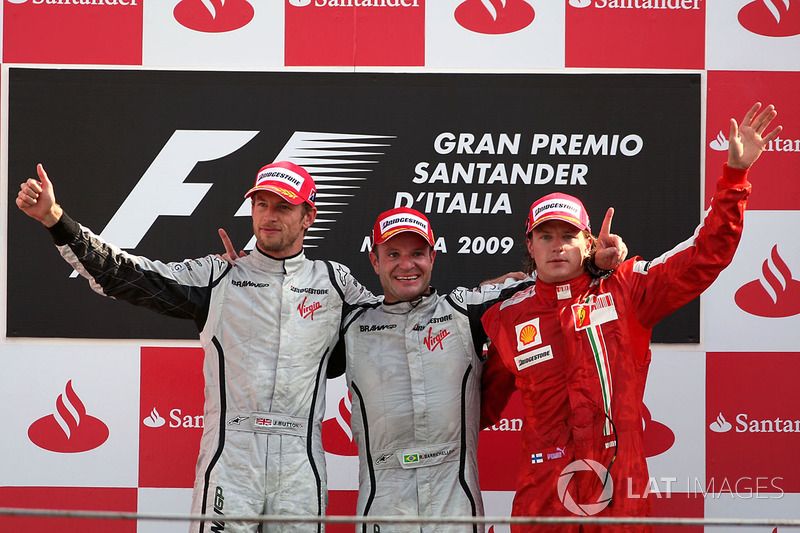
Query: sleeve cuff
[(65, 230), (732, 178)]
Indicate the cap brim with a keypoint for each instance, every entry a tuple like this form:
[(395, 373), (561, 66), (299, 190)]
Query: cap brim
[(393, 233), (569, 220), (290, 196)]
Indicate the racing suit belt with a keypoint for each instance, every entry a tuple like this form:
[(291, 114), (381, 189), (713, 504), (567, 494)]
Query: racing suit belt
[(418, 456), (263, 422)]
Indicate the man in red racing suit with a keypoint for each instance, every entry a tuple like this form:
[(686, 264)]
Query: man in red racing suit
[(578, 348)]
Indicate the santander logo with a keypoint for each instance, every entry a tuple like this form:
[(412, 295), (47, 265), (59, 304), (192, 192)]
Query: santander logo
[(720, 425), (658, 438), (494, 17), (213, 16), (154, 419), (337, 437), (775, 294), (719, 143), (69, 429), (771, 18)]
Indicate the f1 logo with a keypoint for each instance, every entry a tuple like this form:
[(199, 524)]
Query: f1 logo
[(162, 191)]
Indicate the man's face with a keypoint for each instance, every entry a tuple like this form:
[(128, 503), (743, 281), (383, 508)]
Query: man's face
[(404, 265), (278, 225), (558, 249)]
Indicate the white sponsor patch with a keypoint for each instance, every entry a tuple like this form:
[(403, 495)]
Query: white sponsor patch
[(403, 219), (563, 292), (533, 357), (557, 206), (528, 334), (600, 309), (428, 456), (603, 309), (292, 179)]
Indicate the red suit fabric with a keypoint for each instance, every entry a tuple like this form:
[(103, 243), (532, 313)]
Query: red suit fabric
[(579, 353)]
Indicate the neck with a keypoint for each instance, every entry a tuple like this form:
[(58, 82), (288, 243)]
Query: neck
[(392, 300), (281, 254)]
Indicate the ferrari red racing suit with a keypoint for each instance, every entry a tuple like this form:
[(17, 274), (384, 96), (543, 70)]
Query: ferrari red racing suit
[(579, 354)]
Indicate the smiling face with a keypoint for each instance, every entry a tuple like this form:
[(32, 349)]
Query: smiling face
[(558, 250), (404, 265), (278, 225)]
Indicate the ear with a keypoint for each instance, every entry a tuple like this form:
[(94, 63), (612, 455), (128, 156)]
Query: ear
[(433, 256), (309, 217), (373, 259), (590, 240)]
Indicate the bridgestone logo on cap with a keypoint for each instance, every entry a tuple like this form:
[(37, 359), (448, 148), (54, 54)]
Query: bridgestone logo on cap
[(557, 205), (403, 220), (294, 180)]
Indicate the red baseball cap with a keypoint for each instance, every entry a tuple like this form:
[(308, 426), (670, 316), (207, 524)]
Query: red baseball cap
[(557, 206), (289, 181), (399, 220)]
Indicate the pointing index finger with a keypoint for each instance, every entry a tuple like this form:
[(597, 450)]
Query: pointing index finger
[(605, 229), (226, 241)]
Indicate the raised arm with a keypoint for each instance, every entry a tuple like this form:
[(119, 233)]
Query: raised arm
[(174, 289), (681, 274)]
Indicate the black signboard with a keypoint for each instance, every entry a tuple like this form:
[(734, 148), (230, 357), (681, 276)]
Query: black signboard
[(158, 160)]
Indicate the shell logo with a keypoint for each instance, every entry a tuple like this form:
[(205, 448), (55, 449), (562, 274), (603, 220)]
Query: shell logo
[(528, 334)]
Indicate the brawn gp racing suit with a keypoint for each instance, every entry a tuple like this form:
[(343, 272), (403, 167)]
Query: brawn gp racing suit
[(267, 327), (579, 353), (414, 372)]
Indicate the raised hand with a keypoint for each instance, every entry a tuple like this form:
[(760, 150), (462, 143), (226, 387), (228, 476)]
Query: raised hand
[(611, 250), (747, 141), (37, 199), (230, 254)]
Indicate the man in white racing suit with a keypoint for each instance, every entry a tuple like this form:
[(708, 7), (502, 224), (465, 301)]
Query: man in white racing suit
[(267, 325), (413, 366)]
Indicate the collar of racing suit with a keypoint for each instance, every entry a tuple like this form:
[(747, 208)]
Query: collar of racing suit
[(565, 291), (401, 308), (286, 265)]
